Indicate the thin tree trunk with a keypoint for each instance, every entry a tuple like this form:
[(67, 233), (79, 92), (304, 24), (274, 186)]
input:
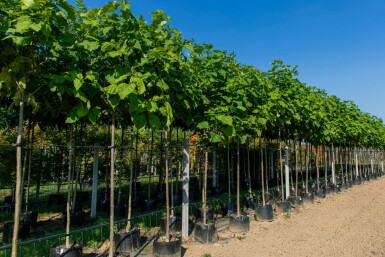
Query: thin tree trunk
[(29, 167), (18, 176), (70, 156), (112, 184), (167, 190), (317, 165), (281, 169), (248, 166), (151, 167), (238, 181), (204, 189), (25, 163), (128, 227), (228, 170), (262, 174)]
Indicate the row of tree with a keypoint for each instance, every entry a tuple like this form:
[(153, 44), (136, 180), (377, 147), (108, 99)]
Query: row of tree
[(67, 63)]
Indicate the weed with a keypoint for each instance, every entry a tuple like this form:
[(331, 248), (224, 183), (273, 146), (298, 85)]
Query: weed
[(206, 255), (242, 237)]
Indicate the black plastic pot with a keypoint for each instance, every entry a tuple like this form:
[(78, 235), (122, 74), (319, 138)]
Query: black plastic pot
[(228, 208), (24, 231), (335, 188), (320, 193), (239, 224), (264, 213), (308, 197), (61, 251), (30, 217), (282, 206), (295, 201), (167, 249), (175, 224), (209, 214), (349, 183), (357, 181), (125, 243), (205, 234)]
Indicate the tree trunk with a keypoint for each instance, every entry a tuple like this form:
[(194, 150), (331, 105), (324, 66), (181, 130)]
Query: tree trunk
[(167, 190), (130, 185), (204, 189), (29, 167), (70, 156), (112, 184), (18, 176), (238, 181)]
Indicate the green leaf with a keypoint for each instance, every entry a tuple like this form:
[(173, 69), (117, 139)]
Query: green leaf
[(94, 113), (203, 125), (229, 131), (214, 138), (78, 84), (139, 120), (189, 47), (155, 121), (24, 25), (152, 106), (29, 3), (113, 100), (81, 111), (72, 118), (124, 89), (140, 85), (225, 119), (90, 45)]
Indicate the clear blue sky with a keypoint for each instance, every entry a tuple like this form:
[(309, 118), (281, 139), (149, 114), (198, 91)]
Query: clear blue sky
[(338, 45)]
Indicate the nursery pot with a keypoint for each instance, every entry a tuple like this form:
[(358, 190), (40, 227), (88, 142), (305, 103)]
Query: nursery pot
[(321, 192), (295, 201), (335, 188), (205, 234), (127, 242), (282, 206), (357, 181), (61, 251), (264, 212), (308, 197), (167, 249), (209, 214), (29, 217), (239, 224), (175, 224), (24, 231)]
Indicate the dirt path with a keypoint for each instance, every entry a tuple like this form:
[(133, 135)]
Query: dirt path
[(351, 223)]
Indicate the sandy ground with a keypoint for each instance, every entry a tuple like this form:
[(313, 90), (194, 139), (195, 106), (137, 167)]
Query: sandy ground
[(350, 223)]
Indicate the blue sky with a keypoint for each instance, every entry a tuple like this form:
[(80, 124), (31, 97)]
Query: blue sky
[(338, 45)]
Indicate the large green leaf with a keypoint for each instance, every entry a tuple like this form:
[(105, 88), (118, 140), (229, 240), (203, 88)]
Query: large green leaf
[(139, 120)]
